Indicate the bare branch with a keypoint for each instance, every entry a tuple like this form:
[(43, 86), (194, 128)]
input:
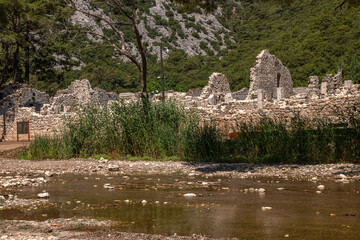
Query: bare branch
[(341, 5), (113, 44), (121, 8), (109, 22), (99, 17)]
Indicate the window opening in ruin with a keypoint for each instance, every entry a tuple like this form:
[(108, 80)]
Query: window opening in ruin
[(278, 80)]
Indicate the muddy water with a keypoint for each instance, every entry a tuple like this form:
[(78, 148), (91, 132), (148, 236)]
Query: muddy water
[(221, 208)]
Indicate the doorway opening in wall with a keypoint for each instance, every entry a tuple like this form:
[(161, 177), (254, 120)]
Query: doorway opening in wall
[(278, 80), (22, 128)]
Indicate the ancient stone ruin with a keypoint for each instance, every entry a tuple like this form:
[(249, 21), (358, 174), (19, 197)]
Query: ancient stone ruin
[(271, 94), (22, 104), (217, 88), (271, 76), (331, 83)]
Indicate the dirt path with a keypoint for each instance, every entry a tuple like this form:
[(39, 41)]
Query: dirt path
[(6, 146), (11, 149)]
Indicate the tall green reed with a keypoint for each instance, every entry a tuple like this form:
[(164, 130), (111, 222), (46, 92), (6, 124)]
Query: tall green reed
[(156, 130), (163, 130)]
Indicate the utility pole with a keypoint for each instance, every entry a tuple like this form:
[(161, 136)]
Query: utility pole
[(162, 73)]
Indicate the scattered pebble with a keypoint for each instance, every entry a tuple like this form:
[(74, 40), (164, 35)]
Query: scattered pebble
[(189, 195), (49, 174), (43, 195), (266, 208)]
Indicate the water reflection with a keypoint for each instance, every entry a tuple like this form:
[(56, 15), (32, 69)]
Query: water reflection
[(221, 210)]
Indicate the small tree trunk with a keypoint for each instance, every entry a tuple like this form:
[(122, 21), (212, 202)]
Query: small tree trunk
[(6, 66), (16, 53), (16, 64), (27, 60), (141, 51)]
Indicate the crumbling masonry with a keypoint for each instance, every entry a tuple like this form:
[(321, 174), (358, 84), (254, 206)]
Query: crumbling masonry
[(271, 94)]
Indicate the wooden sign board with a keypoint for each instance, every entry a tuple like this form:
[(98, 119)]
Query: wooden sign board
[(23, 128)]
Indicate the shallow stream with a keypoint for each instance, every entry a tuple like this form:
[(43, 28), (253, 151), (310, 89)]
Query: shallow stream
[(220, 208)]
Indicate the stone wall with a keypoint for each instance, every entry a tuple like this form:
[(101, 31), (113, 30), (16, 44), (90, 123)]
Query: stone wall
[(269, 74), (40, 123), (45, 114), (226, 113), (217, 89)]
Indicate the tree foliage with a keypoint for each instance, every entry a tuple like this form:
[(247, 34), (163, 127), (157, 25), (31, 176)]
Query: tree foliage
[(25, 27), (310, 37)]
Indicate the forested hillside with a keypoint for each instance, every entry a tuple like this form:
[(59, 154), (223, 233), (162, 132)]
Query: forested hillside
[(311, 37)]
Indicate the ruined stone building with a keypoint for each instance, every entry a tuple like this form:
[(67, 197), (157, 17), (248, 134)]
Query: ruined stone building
[(270, 78), (26, 112)]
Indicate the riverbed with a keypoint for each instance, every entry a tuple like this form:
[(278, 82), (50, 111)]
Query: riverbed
[(198, 204)]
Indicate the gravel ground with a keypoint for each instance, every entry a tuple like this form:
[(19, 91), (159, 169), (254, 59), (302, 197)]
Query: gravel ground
[(37, 169), (75, 229)]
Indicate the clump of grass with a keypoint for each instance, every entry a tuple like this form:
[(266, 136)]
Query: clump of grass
[(140, 129), (299, 141), (166, 131)]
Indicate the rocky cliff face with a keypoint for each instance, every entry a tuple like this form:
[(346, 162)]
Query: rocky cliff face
[(195, 33)]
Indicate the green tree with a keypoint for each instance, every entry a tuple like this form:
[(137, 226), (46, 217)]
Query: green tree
[(24, 27)]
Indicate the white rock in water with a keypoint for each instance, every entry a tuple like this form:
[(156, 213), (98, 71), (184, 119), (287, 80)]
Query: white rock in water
[(321, 187), (314, 179), (251, 190), (49, 174), (189, 195), (126, 201), (341, 176), (261, 190), (144, 202), (280, 188), (318, 192), (43, 195), (41, 179), (108, 186), (266, 208)]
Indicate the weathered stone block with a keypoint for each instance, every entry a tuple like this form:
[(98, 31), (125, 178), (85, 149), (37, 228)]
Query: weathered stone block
[(324, 88)]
